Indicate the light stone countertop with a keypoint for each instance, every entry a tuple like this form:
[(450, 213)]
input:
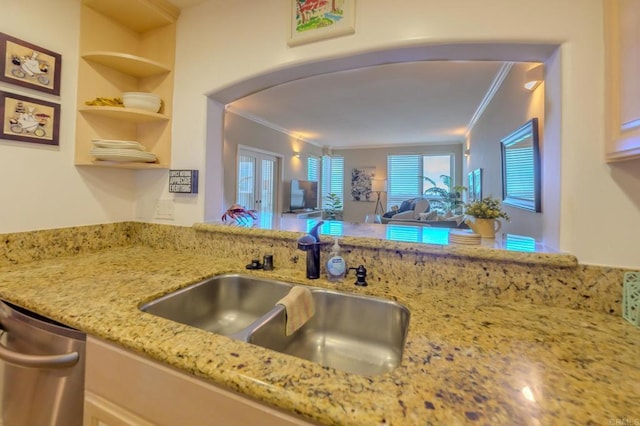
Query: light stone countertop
[(427, 240), (400, 232), (468, 359)]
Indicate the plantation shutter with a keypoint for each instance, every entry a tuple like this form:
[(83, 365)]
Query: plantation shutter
[(332, 178), (520, 180), (313, 169), (404, 179)]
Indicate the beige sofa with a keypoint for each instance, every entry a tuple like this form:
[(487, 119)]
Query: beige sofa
[(419, 214)]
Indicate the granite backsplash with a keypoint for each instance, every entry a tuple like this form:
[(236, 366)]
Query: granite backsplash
[(539, 278)]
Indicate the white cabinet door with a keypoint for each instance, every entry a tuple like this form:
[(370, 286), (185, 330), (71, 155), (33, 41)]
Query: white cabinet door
[(622, 38), (123, 388), (100, 412)]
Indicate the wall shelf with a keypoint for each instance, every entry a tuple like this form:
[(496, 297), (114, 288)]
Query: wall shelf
[(131, 115), (127, 46), (138, 15), (132, 65), (125, 165)]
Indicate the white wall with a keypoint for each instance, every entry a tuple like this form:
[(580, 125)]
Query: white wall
[(222, 42), (510, 108), (43, 189), (242, 131)]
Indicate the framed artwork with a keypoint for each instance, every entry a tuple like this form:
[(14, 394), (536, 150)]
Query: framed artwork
[(471, 192), (313, 20), (29, 120), (477, 184), (28, 65), (361, 178)]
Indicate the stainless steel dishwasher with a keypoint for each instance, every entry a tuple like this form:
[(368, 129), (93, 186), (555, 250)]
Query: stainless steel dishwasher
[(43, 363)]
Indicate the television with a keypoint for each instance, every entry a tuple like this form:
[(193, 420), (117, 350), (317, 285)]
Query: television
[(304, 195)]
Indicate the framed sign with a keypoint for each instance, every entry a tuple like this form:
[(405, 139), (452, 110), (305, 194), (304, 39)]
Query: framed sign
[(313, 20), (28, 65), (183, 181), (27, 119)]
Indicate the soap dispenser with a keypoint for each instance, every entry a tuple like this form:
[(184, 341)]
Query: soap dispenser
[(336, 266)]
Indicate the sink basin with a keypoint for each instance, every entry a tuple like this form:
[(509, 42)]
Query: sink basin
[(357, 334), (224, 304)]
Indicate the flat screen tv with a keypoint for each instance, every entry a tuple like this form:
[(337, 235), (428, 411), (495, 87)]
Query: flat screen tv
[(304, 195)]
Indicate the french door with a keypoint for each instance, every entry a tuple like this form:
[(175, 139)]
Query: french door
[(256, 188)]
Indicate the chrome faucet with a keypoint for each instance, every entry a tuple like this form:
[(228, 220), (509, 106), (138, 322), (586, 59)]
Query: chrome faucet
[(311, 244)]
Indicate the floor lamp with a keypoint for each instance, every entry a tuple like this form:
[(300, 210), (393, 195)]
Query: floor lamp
[(378, 186)]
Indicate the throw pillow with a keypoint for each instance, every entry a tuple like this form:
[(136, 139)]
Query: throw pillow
[(433, 215), (404, 206)]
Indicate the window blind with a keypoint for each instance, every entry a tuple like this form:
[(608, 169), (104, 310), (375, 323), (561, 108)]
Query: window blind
[(246, 181), (404, 179), (313, 168), (520, 182), (332, 178)]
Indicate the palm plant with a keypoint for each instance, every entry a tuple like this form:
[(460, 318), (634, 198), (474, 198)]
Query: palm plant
[(332, 206), (448, 199)]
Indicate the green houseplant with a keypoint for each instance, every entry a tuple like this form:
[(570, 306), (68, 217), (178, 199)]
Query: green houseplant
[(449, 199), (485, 214), (332, 206), (487, 208)]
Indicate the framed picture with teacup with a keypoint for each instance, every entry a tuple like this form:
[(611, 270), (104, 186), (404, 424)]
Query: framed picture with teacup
[(27, 65), (28, 119)]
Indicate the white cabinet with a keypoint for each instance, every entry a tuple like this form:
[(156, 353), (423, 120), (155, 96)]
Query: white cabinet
[(125, 46), (124, 388), (622, 44), (100, 412)]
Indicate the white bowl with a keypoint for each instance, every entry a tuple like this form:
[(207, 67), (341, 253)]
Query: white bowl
[(141, 100)]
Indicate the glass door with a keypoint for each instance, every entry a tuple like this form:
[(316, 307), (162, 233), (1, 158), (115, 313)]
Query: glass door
[(257, 184)]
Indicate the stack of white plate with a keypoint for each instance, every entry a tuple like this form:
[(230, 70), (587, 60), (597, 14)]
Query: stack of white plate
[(141, 100), (121, 151), (464, 236)]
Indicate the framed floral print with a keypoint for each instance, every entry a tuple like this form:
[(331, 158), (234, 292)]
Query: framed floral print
[(313, 20)]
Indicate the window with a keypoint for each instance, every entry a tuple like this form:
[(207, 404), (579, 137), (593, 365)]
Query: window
[(406, 175), (332, 178), (433, 168), (403, 178), (313, 168), (521, 168)]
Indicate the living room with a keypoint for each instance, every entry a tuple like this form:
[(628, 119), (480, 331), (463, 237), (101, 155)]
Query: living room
[(508, 107)]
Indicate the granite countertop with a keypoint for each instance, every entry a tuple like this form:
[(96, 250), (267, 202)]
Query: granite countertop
[(468, 359), (400, 232)]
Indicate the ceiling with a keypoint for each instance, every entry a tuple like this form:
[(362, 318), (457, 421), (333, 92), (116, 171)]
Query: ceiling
[(424, 102)]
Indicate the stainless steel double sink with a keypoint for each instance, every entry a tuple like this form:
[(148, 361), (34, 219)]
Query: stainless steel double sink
[(358, 334)]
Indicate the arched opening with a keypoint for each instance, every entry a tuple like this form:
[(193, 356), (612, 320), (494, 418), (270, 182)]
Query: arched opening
[(546, 53)]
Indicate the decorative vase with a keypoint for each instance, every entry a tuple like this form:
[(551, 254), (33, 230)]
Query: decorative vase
[(487, 228)]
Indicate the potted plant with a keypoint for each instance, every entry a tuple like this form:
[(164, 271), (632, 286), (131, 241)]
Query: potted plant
[(448, 199), (485, 214), (332, 206)]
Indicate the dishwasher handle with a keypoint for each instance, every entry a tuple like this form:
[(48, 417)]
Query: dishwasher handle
[(38, 361)]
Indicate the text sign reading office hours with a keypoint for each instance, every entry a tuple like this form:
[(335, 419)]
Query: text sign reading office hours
[(183, 181)]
